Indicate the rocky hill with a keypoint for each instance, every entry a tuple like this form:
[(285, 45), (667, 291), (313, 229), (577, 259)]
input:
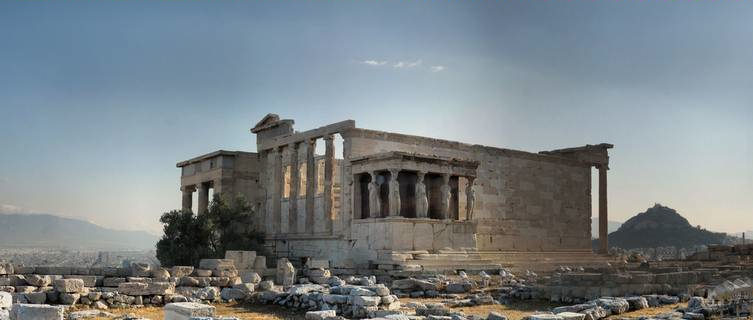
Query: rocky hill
[(661, 226), (49, 231)]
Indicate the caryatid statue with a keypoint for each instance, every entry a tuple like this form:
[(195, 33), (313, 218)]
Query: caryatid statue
[(375, 207), (422, 200), (446, 196), (394, 193), (470, 200)]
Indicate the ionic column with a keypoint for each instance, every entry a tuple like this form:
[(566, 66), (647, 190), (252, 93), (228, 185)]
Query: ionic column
[(203, 198), (375, 205), (422, 199), (470, 198), (329, 167), (310, 184), (445, 196), (394, 192), (277, 193), (187, 197), (294, 183), (603, 216)]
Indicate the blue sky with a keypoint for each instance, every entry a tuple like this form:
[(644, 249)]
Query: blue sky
[(99, 100)]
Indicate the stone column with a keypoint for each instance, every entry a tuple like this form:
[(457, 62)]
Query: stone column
[(294, 183), (187, 197), (445, 196), (375, 205), (277, 182), (422, 199), (310, 184), (603, 216), (470, 198), (329, 170), (203, 198), (394, 192)]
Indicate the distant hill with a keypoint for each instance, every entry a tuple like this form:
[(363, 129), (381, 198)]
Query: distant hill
[(49, 231), (661, 226), (612, 226)]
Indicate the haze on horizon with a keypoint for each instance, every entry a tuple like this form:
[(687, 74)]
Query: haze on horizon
[(100, 100)]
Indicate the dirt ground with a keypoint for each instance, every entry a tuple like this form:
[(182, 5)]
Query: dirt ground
[(515, 311)]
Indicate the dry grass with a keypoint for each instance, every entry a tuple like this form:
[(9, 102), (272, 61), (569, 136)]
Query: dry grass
[(514, 311), (241, 311)]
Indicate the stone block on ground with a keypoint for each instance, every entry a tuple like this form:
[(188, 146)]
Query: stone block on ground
[(36, 312), (140, 269), (285, 275), (6, 300), (320, 315), (571, 315), (212, 264), (243, 260), (544, 316), (187, 310), (181, 271), (250, 277), (495, 316), (69, 285), (232, 294)]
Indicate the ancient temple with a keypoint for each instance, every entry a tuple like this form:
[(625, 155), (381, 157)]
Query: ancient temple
[(399, 201)]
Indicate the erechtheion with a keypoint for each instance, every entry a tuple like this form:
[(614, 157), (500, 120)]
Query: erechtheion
[(396, 200)]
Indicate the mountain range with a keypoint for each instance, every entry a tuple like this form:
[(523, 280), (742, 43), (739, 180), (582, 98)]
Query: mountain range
[(50, 231)]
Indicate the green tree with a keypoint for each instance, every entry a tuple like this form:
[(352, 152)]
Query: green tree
[(188, 238)]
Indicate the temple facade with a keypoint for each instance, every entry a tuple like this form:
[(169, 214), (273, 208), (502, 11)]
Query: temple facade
[(396, 200)]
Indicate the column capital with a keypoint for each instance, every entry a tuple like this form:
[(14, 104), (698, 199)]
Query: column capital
[(394, 171), (188, 188), (311, 142), (329, 137), (293, 145)]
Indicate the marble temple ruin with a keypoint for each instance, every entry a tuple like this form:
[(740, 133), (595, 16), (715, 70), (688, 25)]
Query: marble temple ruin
[(402, 201)]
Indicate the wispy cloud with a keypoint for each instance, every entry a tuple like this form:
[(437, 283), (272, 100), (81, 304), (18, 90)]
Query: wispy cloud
[(407, 64), (374, 62), (437, 68)]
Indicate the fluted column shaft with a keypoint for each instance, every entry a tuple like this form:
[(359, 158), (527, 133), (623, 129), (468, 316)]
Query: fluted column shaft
[(329, 168), (603, 216), (294, 183), (310, 185), (277, 194)]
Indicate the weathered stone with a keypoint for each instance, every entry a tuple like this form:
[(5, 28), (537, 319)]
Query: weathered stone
[(265, 285), (140, 269), (320, 315), (89, 314), (495, 316), (36, 312), (36, 297), (69, 298), (365, 300), (181, 271), (69, 285), (38, 280), (459, 287), (202, 273), (6, 300), (232, 294), (637, 303), (285, 275), (250, 277), (571, 316), (145, 289), (187, 310), (89, 281), (112, 282), (544, 316), (213, 264), (160, 274)]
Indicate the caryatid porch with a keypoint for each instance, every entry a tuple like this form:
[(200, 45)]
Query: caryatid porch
[(400, 184)]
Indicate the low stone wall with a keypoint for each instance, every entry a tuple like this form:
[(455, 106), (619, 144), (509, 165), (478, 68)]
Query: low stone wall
[(140, 284)]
